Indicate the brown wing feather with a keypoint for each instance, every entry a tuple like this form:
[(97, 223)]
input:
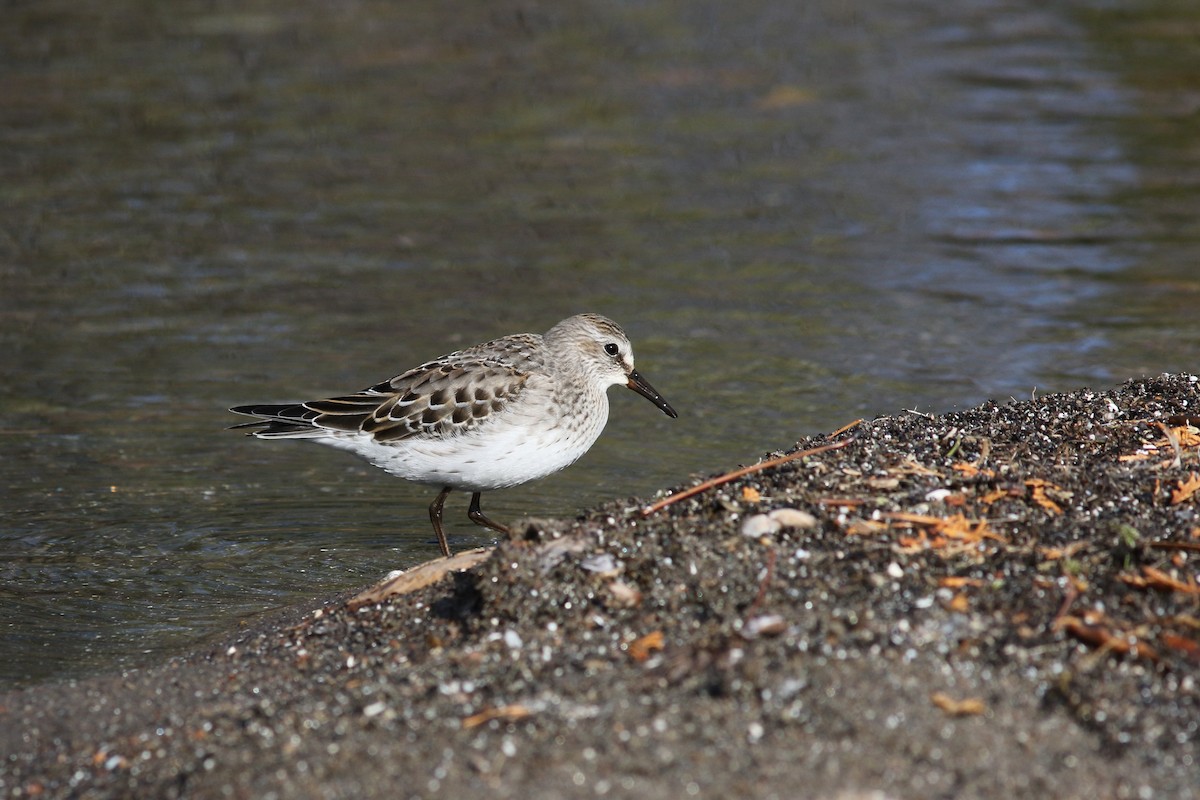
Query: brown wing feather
[(437, 399), (443, 397)]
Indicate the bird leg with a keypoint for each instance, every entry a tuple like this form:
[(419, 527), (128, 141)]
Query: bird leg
[(435, 516), (478, 517)]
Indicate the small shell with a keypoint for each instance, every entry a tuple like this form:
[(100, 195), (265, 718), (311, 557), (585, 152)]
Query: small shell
[(760, 525), (603, 563), (764, 625), (624, 595), (793, 518)]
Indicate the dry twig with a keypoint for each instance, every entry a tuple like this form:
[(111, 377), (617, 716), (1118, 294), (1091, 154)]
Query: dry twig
[(737, 473)]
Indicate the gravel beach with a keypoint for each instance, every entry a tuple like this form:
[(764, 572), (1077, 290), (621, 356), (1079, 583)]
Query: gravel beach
[(994, 603)]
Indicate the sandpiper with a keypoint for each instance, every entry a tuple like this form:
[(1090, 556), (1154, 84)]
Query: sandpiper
[(491, 416)]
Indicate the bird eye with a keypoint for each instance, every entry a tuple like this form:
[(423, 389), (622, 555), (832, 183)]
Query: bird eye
[(611, 349)]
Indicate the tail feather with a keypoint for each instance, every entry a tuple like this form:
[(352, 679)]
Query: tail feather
[(280, 422)]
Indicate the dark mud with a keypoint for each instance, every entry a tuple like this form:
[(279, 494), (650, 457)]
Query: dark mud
[(995, 603)]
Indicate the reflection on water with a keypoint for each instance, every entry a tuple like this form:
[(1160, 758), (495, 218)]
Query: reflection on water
[(801, 213)]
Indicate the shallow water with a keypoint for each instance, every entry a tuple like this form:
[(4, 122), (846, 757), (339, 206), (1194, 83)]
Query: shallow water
[(801, 215)]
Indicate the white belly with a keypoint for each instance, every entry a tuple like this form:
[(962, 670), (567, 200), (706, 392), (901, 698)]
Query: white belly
[(508, 451)]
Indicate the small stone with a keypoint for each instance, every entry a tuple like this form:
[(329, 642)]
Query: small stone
[(624, 595), (793, 518), (764, 625), (760, 525), (603, 563)]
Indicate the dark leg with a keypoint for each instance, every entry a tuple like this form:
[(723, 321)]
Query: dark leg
[(435, 516), (478, 518)]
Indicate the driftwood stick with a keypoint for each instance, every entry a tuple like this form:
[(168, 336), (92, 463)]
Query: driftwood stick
[(737, 473)]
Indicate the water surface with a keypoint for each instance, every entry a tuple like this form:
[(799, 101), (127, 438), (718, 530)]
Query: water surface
[(802, 214)]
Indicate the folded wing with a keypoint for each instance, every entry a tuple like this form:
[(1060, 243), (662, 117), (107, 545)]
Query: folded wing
[(438, 399)]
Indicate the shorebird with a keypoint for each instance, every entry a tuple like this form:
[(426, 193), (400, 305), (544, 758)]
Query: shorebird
[(491, 416)]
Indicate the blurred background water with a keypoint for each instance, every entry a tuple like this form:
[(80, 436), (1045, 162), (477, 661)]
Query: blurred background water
[(803, 213)]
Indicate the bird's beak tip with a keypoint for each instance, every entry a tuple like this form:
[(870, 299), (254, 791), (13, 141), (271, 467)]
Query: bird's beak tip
[(640, 385)]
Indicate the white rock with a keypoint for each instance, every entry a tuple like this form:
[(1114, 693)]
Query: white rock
[(760, 525), (793, 518)]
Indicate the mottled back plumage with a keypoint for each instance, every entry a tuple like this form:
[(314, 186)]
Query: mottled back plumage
[(443, 397)]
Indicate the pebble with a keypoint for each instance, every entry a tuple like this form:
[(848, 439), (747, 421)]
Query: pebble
[(764, 625), (759, 525), (603, 563), (771, 522), (793, 518)]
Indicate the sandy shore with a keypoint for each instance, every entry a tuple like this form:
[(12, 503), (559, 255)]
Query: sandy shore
[(995, 603)]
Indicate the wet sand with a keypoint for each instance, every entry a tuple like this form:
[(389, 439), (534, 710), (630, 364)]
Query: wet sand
[(999, 602)]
